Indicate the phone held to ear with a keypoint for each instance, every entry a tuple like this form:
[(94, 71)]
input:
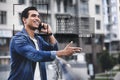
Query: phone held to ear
[(40, 27), (43, 34)]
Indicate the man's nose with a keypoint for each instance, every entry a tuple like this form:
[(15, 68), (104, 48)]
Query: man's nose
[(38, 19)]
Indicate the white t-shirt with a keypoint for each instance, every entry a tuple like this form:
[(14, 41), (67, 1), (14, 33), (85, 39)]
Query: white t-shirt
[(37, 70)]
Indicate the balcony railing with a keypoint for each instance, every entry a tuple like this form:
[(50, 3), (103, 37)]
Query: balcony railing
[(75, 25)]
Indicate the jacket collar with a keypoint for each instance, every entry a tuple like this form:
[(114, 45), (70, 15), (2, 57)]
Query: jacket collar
[(25, 33)]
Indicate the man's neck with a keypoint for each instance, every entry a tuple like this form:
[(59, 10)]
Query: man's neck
[(30, 32)]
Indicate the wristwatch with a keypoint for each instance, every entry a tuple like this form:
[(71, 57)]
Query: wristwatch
[(49, 34)]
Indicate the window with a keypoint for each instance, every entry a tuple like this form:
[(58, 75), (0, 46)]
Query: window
[(85, 23), (20, 19), (2, 0), (108, 27), (98, 24), (21, 1), (69, 6), (84, 7), (108, 36), (65, 24), (108, 2), (108, 10), (3, 17), (3, 41), (58, 5), (83, 0), (97, 8), (45, 18), (87, 40), (115, 35), (109, 18), (41, 4)]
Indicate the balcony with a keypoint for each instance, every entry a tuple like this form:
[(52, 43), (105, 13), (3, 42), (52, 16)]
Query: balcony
[(66, 24), (66, 30)]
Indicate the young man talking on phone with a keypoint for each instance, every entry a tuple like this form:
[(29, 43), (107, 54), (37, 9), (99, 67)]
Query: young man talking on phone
[(27, 48)]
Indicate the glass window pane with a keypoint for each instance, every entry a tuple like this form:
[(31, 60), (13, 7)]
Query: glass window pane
[(2, 17), (21, 1), (98, 24), (97, 8)]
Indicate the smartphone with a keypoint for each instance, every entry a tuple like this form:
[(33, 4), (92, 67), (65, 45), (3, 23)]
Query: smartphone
[(40, 27)]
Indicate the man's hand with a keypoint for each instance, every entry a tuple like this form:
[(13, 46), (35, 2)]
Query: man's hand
[(46, 28), (48, 31), (68, 50)]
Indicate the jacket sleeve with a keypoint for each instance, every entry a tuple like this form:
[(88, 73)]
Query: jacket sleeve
[(24, 48), (47, 46)]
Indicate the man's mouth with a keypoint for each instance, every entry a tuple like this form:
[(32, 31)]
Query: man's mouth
[(37, 23)]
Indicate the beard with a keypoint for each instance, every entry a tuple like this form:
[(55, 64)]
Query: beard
[(33, 28)]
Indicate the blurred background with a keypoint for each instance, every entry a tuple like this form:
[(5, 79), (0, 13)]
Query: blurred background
[(91, 24)]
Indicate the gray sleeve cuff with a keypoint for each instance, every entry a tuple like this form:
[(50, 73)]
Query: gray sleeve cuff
[(53, 54)]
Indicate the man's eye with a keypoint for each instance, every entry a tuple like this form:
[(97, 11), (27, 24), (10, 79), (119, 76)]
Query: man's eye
[(33, 15), (39, 16)]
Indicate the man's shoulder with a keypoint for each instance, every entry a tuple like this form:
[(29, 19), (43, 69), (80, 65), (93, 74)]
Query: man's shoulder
[(20, 35)]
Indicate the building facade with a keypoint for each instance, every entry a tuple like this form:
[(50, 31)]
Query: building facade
[(111, 24), (80, 21)]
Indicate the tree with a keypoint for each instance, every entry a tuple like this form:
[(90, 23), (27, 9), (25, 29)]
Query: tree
[(107, 61), (118, 58)]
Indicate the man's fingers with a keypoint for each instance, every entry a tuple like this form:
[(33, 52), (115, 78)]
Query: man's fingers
[(44, 25), (44, 30), (68, 45), (77, 49)]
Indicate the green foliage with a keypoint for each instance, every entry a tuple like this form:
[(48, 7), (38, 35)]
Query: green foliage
[(118, 58), (107, 61)]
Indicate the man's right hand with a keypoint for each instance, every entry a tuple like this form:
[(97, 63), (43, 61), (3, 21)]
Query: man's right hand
[(68, 50)]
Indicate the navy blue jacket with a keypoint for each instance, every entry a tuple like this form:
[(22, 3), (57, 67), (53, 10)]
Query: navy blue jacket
[(24, 56)]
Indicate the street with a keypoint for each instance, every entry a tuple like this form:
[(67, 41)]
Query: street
[(77, 71)]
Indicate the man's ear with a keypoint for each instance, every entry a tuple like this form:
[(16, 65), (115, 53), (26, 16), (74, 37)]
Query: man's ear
[(24, 20)]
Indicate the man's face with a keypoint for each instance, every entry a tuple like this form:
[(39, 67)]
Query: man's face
[(33, 20)]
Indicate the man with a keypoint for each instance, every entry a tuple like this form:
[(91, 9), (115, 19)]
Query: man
[(27, 48)]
